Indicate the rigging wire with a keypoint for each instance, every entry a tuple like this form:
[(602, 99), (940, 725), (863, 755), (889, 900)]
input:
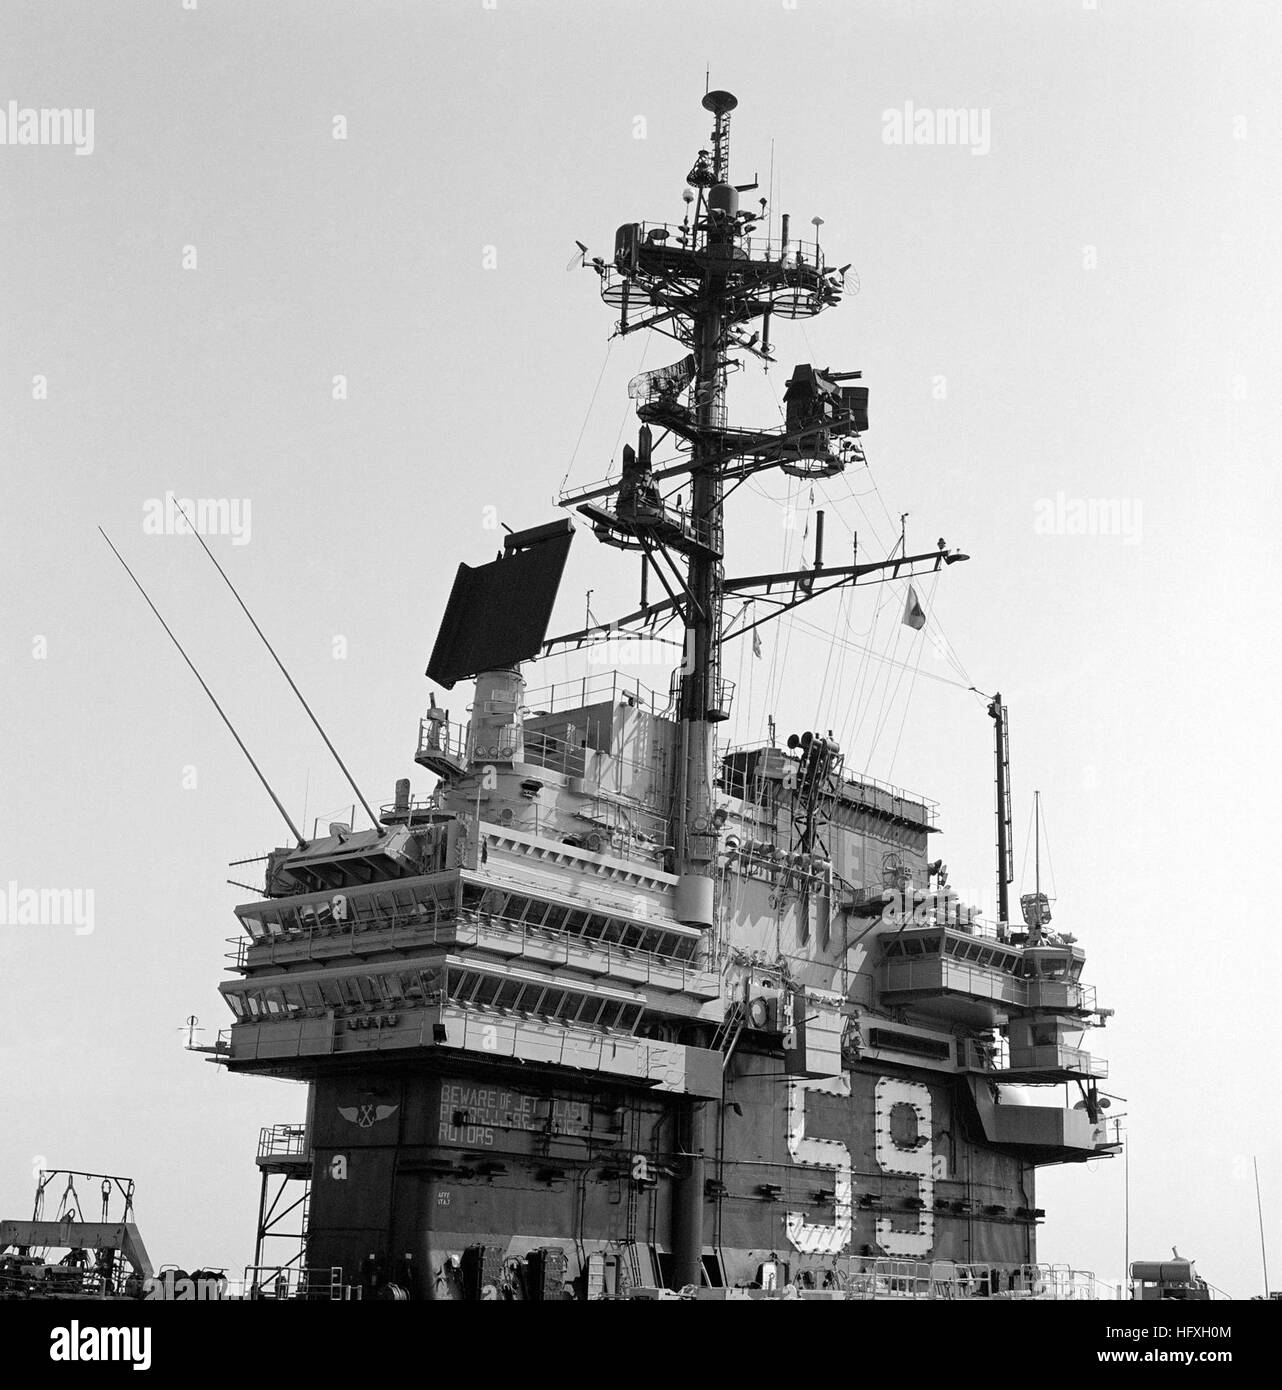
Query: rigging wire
[(876, 681), (752, 689), (823, 689), (1050, 863), (843, 607), (774, 646), (739, 674), (940, 640), (787, 539), (789, 624), (628, 407), (866, 689), (879, 656), (1028, 840), (609, 348), (861, 676), (857, 705), (889, 696), (912, 685)]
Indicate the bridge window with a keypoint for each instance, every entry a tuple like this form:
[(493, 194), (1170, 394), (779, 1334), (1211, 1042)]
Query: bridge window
[(507, 994), (486, 989), (253, 925)]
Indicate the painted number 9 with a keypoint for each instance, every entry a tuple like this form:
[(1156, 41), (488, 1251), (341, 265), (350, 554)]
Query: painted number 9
[(904, 1149)]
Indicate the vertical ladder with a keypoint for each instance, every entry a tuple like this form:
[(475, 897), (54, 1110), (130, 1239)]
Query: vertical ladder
[(633, 1200), (301, 1257)]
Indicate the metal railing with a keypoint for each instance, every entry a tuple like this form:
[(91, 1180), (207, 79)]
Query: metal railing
[(939, 973), (804, 255), (604, 687), (1059, 994), (945, 1279), (419, 810), (473, 923), (398, 924), (936, 972), (624, 959), (282, 1141), (1045, 1057), (446, 738), (737, 784), (555, 754), (282, 1282), (599, 769)]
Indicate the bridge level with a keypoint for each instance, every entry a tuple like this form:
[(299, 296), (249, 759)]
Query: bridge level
[(1028, 1004)]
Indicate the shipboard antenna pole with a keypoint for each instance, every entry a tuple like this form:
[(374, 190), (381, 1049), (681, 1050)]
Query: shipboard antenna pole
[(334, 751), (302, 844), (1005, 852), (1037, 843)]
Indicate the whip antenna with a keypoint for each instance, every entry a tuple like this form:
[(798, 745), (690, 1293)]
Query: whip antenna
[(240, 742), (334, 751)]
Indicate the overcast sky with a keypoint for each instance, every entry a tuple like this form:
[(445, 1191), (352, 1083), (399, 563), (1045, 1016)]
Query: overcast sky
[(1075, 301)]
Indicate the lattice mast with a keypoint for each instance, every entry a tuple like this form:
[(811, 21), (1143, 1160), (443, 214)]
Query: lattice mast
[(701, 703), (699, 282)]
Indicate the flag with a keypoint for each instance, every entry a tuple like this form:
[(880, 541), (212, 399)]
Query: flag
[(756, 644), (914, 613)]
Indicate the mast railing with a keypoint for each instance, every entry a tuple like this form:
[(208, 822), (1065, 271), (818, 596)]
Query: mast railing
[(667, 249), (447, 738), (419, 811), (604, 687), (282, 1141), (1050, 1057), (737, 783)]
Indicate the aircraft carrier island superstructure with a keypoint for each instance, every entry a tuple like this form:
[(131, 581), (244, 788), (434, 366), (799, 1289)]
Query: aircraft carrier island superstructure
[(620, 1010)]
